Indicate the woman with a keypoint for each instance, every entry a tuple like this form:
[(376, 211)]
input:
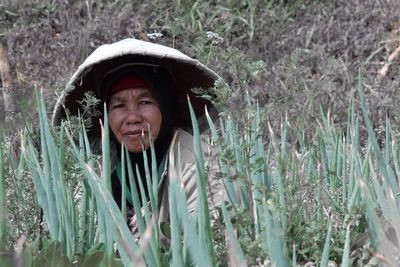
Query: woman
[(145, 88)]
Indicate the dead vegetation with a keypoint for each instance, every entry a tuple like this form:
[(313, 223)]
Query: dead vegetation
[(312, 50)]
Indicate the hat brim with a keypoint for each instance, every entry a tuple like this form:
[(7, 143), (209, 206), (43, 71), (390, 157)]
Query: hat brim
[(187, 73)]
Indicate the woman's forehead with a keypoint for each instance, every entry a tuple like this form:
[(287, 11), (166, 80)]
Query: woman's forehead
[(132, 92)]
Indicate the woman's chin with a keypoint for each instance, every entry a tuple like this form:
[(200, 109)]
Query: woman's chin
[(134, 148), (134, 145)]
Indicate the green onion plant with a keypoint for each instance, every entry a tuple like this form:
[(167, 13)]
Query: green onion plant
[(286, 203)]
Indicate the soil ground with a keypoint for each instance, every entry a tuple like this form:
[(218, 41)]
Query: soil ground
[(312, 50)]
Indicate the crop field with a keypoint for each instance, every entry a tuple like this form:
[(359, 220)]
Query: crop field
[(307, 140)]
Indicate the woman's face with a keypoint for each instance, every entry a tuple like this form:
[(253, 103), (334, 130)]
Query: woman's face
[(131, 112)]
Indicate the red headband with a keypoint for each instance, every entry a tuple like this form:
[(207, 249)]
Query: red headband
[(130, 80)]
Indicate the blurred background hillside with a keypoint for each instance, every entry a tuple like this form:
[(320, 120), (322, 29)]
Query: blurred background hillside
[(293, 56)]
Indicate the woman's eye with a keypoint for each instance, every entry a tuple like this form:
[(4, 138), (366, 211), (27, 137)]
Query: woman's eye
[(146, 102), (116, 106)]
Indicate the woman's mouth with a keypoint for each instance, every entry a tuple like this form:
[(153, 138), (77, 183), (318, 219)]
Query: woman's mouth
[(135, 134)]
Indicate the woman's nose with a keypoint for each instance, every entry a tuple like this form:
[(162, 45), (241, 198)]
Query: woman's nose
[(133, 115)]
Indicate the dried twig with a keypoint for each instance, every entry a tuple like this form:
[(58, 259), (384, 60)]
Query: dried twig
[(18, 259), (380, 257), (88, 10), (6, 80), (385, 69)]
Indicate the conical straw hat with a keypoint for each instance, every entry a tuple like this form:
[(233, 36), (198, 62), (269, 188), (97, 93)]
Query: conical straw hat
[(187, 73)]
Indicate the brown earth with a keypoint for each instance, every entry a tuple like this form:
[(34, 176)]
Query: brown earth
[(312, 51)]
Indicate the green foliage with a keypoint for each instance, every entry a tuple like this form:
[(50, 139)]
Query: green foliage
[(305, 201)]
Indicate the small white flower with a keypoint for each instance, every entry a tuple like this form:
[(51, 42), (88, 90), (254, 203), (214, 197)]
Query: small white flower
[(154, 35), (214, 37)]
